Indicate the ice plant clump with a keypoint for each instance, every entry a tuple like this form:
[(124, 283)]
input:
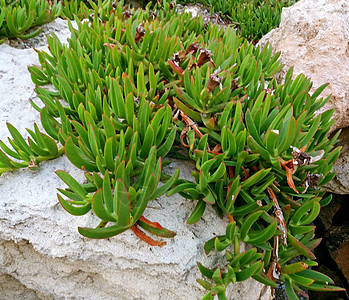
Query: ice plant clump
[(17, 17), (138, 89)]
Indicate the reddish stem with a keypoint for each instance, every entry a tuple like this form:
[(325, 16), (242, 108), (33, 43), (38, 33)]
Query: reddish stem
[(150, 223), (246, 173), (146, 238)]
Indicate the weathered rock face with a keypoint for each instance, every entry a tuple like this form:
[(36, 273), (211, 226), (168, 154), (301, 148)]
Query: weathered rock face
[(12, 289), (43, 256), (333, 252), (338, 243), (314, 38)]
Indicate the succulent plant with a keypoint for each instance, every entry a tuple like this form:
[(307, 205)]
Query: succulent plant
[(254, 18), (17, 17), (251, 18), (76, 8), (136, 86)]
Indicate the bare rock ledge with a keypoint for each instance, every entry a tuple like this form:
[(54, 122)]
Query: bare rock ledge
[(42, 256)]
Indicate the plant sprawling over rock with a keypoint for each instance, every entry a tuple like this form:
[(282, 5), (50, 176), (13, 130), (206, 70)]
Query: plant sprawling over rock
[(17, 17), (136, 86)]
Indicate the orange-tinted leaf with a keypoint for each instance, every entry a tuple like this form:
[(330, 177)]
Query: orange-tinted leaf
[(302, 249), (246, 174), (216, 150), (146, 238), (176, 67), (183, 134), (290, 180), (231, 218), (150, 223), (158, 230)]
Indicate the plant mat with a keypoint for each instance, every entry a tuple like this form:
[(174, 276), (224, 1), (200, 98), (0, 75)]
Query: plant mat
[(135, 87)]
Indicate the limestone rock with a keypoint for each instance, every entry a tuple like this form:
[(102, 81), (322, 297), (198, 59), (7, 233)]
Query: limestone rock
[(12, 289), (314, 38), (197, 9), (41, 252)]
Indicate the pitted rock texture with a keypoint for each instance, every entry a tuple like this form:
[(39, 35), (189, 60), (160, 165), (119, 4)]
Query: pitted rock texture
[(313, 36), (12, 289), (41, 251), (338, 245)]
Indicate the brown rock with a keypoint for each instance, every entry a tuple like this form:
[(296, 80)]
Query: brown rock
[(328, 212), (342, 258), (338, 246)]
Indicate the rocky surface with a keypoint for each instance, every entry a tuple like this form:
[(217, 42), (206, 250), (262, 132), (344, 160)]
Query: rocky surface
[(12, 289), (199, 10), (313, 36), (338, 242), (333, 251), (42, 256)]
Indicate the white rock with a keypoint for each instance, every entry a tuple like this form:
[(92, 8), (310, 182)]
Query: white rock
[(41, 250), (12, 289), (192, 9), (314, 38)]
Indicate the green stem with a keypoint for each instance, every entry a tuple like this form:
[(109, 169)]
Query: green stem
[(40, 159), (37, 161), (3, 170)]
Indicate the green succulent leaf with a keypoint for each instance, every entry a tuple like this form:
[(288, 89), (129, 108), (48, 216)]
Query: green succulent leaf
[(250, 271), (301, 248), (294, 268), (76, 158), (143, 200), (264, 279), (246, 226), (197, 213), (291, 294), (99, 208), (102, 232), (257, 177), (162, 232), (72, 183), (324, 288), (262, 236), (317, 276), (76, 210)]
